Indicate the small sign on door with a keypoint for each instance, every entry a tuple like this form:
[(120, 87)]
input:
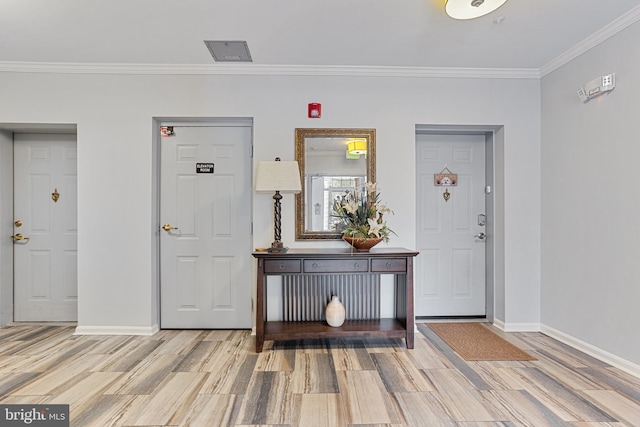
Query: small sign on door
[(204, 167), (166, 131), (445, 178)]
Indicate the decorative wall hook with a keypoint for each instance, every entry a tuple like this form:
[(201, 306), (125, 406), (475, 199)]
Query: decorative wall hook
[(55, 195), (446, 195)]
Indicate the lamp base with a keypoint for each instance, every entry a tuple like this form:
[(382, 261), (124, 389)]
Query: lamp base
[(277, 247)]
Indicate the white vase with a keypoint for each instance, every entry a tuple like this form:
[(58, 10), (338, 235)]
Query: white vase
[(334, 312)]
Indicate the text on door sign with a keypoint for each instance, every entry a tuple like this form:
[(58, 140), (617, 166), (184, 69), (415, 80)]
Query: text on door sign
[(204, 167)]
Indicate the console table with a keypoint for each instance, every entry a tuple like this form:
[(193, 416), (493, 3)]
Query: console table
[(357, 273)]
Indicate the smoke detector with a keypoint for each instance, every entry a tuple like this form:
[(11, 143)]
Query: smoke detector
[(229, 50)]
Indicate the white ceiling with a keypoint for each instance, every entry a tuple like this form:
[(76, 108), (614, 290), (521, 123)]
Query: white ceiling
[(387, 33)]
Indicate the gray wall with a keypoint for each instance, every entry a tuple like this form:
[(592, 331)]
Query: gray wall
[(117, 173), (590, 202)]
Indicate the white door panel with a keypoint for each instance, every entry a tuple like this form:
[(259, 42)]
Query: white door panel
[(45, 265), (450, 268), (206, 264)]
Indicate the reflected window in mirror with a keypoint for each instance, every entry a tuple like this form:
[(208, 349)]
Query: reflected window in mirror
[(323, 192), (331, 161)]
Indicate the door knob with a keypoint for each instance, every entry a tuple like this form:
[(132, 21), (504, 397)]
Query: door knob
[(480, 236), (19, 237), (168, 227)]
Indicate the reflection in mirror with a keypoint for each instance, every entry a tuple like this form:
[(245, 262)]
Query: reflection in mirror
[(331, 161)]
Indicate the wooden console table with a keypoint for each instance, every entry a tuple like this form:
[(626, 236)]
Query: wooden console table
[(302, 265)]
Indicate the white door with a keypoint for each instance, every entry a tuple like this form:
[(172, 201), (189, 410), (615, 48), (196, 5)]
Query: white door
[(205, 251), (45, 228), (450, 269)]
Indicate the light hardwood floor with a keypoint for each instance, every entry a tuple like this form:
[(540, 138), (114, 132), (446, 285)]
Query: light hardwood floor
[(214, 378)]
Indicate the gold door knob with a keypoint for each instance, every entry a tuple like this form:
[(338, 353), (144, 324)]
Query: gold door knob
[(19, 237), (168, 227), (18, 223)]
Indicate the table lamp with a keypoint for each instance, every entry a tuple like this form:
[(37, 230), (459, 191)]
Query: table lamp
[(283, 178)]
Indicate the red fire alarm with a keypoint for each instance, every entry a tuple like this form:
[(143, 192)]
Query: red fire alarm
[(315, 110)]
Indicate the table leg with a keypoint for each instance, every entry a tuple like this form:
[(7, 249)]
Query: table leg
[(409, 295), (409, 339), (260, 306)]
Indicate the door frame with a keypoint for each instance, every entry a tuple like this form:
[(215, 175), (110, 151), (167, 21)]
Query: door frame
[(157, 122), (7, 131), (494, 208)]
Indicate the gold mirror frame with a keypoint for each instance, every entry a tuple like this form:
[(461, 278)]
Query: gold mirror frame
[(301, 135)]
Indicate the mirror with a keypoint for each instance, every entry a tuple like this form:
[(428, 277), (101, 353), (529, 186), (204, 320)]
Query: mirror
[(331, 161)]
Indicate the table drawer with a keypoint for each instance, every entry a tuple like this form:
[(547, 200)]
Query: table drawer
[(282, 266), (391, 265), (336, 265)]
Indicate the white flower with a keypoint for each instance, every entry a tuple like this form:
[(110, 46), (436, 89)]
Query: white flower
[(374, 227), (371, 187), (351, 206), (382, 209)]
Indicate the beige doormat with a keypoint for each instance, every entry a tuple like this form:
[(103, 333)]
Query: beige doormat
[(472, 341)]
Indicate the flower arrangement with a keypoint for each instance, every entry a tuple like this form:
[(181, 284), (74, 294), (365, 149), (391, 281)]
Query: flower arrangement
[(359, 215)]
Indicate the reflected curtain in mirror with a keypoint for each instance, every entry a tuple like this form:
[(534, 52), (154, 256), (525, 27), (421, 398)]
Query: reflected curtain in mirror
[(331, 161)]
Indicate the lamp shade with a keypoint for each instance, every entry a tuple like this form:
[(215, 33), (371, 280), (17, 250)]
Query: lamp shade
[(469, 9), (278, 176), (357, 146)]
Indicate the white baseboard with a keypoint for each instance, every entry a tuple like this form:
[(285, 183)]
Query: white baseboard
[(5, 320), (591, 350), (498, 324), (117, 330), (516, 327)]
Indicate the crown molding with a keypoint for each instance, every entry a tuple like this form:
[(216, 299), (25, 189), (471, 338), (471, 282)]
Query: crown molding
[(590, 42), (267, 70), (327, 70)]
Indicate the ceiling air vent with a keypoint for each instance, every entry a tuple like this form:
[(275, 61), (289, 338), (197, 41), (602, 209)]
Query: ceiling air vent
[(228, 51)]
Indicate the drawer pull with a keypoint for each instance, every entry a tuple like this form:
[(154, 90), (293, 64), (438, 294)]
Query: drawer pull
[(314, 265), (389, 264), (356, 265), (281, 266)]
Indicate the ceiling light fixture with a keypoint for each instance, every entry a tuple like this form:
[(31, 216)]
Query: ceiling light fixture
[(469, 9), (357, 146)]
